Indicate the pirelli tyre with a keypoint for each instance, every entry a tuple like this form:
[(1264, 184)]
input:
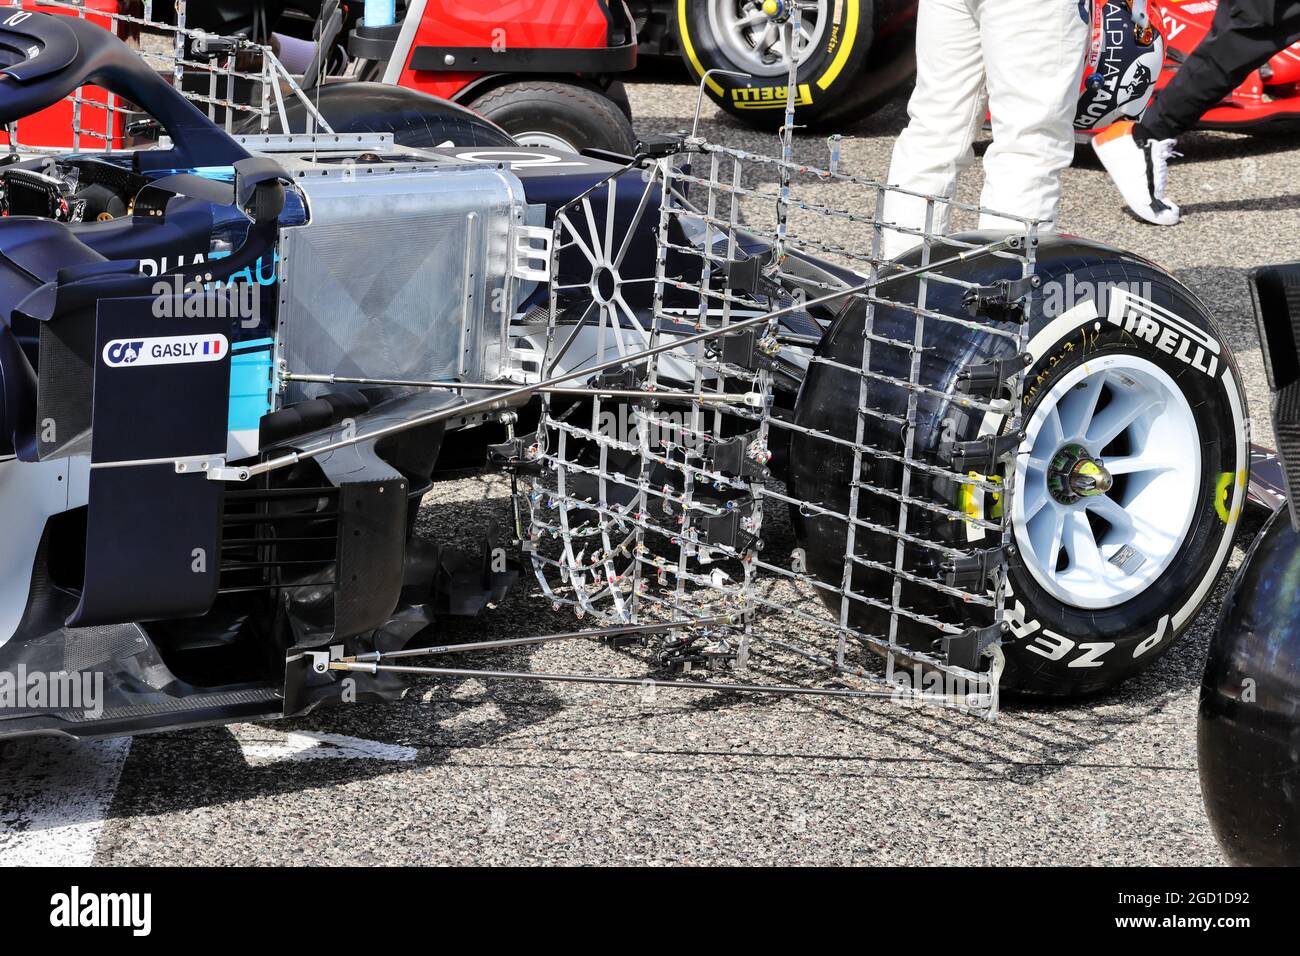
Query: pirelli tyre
[(852, 55), (1130, 381)]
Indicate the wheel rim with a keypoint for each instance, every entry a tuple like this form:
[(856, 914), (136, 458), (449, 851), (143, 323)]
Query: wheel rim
[(750, 36), (1101, 549), (540, 139)]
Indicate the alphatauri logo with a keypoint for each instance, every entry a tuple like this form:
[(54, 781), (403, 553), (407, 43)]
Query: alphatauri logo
[(1137, 80), (122, 352), (165, 350), (76, 909)]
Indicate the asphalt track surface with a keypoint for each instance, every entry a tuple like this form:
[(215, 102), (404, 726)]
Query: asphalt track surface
[(481, 772)]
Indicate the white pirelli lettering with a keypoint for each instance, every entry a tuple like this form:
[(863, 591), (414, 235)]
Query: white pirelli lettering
[(1163, 330)]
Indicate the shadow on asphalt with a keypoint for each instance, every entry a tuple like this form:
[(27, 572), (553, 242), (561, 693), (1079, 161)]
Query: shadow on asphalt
[(1031, 740), (1253, 204)]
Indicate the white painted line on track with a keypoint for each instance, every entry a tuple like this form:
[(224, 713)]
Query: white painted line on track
[(54, 796), (55, 793), (263, 745)]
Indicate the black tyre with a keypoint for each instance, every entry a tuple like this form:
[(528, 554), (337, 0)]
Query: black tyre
[(1249, 719), (855, 55), (415, 119), (556, 115), (617, 94), (1120, 347)]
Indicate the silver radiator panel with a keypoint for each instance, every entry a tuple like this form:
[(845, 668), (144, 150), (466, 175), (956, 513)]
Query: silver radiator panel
[(404, 275)]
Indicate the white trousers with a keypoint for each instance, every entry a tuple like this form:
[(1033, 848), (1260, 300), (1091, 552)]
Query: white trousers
[(1021, 60)]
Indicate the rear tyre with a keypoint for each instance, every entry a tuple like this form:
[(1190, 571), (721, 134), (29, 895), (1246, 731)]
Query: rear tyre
[(1249, 719), (1128, 365), (617, 93), (852, 54), (553, 115), (415, 119)]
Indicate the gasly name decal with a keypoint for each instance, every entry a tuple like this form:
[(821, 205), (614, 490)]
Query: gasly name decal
[(1161, 328), (165, 350)]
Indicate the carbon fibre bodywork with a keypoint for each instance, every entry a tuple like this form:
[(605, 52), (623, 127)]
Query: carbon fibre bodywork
[(168, 598)]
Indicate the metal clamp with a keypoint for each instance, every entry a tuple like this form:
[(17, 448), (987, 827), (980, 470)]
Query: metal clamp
[(531, 262), (210, 45), (747, 275), (732, 456), (661, 146), (1001, 296), (983, 454), (512, 456), (970, 572), (964, 649), (321, 661), (987, 378), (213, 466)]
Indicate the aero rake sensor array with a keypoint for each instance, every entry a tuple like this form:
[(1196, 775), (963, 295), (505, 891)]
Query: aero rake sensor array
[(700, 496)]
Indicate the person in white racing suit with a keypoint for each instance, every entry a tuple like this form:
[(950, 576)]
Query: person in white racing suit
[(1025, 61)]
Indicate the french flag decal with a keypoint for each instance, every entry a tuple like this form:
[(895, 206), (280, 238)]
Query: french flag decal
[(212, 347)]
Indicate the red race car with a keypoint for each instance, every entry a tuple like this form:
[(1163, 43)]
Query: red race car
[(1270, 97), (836, 88), (543, 70), (1135, 50)]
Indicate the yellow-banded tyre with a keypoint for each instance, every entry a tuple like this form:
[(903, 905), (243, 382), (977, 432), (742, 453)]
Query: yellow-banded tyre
[(852, 55)]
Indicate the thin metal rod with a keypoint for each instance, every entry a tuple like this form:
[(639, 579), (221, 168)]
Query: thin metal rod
[(779, 689), (508, 399), (667, 395), (596, 632), (704, 80)]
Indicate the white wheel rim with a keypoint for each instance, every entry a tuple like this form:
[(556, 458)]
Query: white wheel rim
[(539, 139), (1099, 552), (752, 39)]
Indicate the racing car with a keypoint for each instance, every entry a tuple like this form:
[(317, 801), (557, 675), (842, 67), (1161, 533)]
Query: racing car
[(1268, 99), (1248, 727), (851, 56), (854, 56), (221, 409), (1128, 67), (547, 73)]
